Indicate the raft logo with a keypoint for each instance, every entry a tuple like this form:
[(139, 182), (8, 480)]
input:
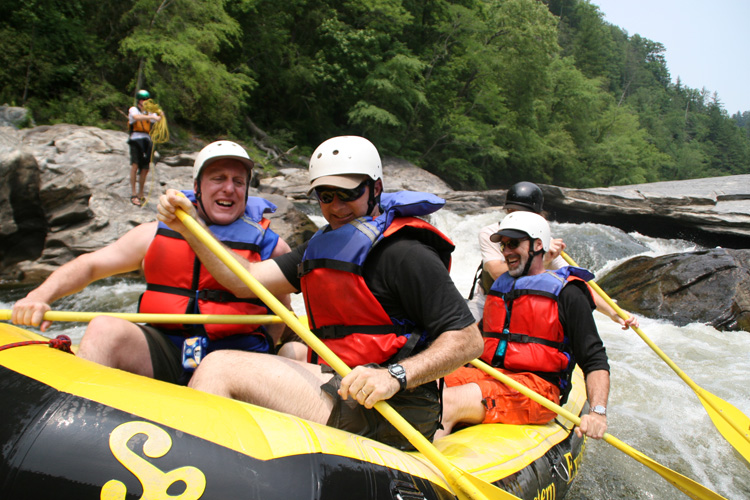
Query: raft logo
[(547, 493), (155, 482)]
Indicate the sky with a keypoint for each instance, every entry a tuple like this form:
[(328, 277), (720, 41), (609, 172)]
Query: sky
[(707, 43)]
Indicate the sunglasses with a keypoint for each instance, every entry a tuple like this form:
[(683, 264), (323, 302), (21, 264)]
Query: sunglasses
[(325, 195), (511, 244)]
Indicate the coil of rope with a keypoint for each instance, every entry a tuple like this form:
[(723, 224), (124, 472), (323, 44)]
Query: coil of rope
[(159, 134)]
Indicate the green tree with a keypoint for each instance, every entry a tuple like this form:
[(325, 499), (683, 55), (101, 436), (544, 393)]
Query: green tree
[(174, 43)]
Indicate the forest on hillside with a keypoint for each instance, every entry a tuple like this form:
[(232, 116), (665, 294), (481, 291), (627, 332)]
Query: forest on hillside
[(482, 93)]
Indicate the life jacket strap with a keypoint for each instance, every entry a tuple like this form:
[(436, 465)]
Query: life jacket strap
[(525, 339), (207, 294)]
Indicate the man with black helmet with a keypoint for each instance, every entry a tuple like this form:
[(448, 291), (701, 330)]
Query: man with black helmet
[(377, 292), (537, 326), (176, 281), (139, 124)]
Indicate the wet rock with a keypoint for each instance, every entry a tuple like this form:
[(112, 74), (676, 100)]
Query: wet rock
[(710, 286)]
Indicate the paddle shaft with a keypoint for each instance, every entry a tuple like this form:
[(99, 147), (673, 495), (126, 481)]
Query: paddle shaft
[(464, 484), (706, 398), (694, 490), (185, 319)]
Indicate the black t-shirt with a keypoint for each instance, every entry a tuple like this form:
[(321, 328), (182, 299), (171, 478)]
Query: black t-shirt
[(575, 307), (409, 280)]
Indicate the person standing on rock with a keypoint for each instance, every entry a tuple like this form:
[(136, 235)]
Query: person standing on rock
[(141, 145), (377, 292), (177, 282)]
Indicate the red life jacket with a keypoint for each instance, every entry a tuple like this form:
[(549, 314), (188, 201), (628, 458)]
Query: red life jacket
[(341, 309), (177, 282), (521, 324)]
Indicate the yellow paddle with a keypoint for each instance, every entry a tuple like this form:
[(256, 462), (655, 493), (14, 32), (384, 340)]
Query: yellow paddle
[(465, 485), (730, 421), (185, 319), (682, 483)]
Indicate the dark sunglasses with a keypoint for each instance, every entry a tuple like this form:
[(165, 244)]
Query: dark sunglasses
[(325, 195), (511, 244)]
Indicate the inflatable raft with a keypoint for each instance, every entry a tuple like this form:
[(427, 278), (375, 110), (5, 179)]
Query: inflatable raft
[(72, 429)]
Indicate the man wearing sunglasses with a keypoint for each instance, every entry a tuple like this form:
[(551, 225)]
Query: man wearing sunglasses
[(523, 197), (537, 326), (377, 292)]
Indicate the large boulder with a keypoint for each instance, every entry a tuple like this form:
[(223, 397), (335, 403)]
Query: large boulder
[(710, 286)]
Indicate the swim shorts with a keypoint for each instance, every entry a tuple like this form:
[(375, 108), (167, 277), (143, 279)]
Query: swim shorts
[(421, 407), (505, 405)]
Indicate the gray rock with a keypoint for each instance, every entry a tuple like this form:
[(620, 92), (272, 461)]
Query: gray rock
[(712, 211), (711, 286), (12, 116)]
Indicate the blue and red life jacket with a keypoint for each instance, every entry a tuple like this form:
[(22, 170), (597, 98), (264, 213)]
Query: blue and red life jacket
[(177, 282), (521, 324), (341, 309)]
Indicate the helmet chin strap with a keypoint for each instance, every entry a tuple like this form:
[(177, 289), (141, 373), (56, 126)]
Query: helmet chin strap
[(532, 254), (199, 199), (373, 200)]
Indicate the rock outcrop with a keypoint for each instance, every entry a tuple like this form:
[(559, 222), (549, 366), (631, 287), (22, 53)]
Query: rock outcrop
[(712, 212), (711, 286)]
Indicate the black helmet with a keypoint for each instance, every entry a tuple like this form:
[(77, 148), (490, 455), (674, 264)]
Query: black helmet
[(524, 196)]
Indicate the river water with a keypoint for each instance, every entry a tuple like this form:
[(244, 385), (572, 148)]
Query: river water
[(650, 408)]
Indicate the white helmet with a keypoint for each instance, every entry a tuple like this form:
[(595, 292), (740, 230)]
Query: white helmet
[(523, 225), (341, 161), (218, 150)]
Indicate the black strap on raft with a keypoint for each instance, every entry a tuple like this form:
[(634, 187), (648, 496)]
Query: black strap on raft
[(61, 342)]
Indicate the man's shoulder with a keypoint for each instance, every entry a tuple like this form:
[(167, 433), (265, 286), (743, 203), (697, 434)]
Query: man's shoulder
[(490, 229)]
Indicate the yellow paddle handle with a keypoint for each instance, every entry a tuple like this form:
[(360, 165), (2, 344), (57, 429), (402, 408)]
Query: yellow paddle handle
[(706, 397), (185, 319), (686, 485)]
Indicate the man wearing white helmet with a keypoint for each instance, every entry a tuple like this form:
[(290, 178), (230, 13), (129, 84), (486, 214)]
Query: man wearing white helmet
[(523, 197), (537, 326), (377, 292), (176, 281)]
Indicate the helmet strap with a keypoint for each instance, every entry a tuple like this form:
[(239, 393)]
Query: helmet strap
[(532, 255), (199, 199), (373, 200)]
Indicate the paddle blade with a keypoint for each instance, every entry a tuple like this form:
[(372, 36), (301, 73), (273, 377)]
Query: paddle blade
[(739, 439), (689, 487)]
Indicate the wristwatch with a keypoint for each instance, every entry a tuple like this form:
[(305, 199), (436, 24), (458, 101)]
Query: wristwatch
[(397, 371), (599, 410)]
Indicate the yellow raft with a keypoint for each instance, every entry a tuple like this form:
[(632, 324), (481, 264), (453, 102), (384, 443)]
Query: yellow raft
[(72, 429)]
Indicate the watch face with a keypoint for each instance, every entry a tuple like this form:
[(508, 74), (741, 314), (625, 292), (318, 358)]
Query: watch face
[(396, 370)]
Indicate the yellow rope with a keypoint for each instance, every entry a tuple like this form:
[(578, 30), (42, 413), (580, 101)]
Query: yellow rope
[(159, 135)]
